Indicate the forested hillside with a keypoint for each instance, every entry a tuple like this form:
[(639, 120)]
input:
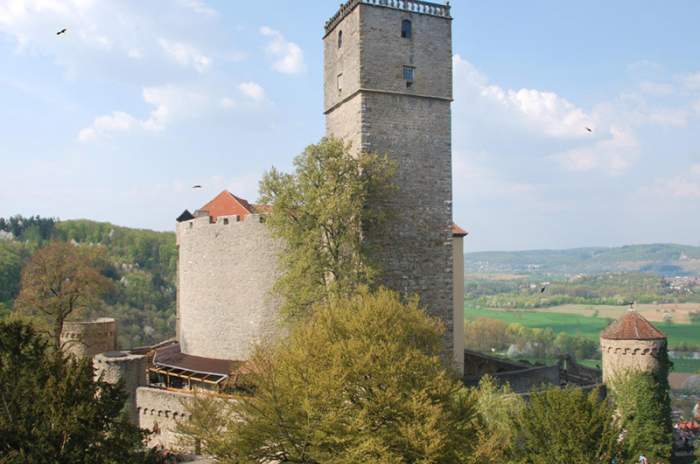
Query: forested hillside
[(663, 259), (142, 266)]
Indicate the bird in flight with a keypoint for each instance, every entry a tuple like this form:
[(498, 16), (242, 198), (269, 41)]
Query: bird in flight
[(196, 186), (62, 31), (589, 129)]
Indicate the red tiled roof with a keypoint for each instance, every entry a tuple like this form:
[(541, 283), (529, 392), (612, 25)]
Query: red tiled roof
[(458, 231), (228, 204), (632, 326)]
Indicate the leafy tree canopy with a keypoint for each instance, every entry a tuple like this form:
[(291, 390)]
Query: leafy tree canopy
[(61, 280), (567, 426), (53, 411), (644, 406), (319, 212), (360, 381)]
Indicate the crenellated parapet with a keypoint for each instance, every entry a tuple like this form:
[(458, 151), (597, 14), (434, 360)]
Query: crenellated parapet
[(85, 339), (410, 6)]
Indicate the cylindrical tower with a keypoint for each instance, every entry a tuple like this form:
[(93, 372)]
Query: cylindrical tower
[(227, 265), (86, 339), (631, 344), (116, 365)]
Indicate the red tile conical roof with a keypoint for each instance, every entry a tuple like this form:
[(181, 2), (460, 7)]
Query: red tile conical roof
[(632, 326)]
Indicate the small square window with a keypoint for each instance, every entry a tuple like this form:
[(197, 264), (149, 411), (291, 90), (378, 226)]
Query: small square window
[(409, 73), (225, 221)]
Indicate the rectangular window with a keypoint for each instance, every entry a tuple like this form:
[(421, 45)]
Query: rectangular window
[(340, 83), (409, 73)]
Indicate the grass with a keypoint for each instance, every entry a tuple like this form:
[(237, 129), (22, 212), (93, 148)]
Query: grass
[(587, 326)]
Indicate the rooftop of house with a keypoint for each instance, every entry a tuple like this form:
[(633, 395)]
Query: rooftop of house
[(228, 204), (632, 326), (458, 231)]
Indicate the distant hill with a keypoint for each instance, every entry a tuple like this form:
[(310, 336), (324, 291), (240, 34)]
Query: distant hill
[(662, 259), (142, 266)]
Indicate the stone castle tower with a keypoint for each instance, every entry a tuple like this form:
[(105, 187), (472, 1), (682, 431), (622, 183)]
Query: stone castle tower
[(227, 265), (388, 90), (631, 343)]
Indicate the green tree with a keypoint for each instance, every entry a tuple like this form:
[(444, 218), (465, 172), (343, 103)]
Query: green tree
[(12, 255), (499, 409), (567, 426), (53, 410), (360, 381), (644, 406), (319, 212), (61, 280)]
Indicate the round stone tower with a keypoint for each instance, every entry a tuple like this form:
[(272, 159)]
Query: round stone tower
[(227, 265), (631, 343), (86, 339)]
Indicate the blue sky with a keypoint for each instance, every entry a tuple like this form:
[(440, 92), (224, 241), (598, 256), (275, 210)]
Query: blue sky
[(117, 118)]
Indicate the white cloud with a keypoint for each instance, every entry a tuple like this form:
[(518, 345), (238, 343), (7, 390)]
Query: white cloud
[(288, 56), (613, 155), (115, 122), (695, 169), (252, 90), (656, 88), (691, 81), (198, 6), (544, 112), (171, 103), (185, 54), (227, 103), (135, 53), (678, 187)]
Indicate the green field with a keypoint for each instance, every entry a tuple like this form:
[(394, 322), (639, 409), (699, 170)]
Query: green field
[(587, 326)]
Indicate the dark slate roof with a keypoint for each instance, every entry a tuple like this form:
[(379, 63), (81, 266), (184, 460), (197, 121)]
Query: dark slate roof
[(185, 216)]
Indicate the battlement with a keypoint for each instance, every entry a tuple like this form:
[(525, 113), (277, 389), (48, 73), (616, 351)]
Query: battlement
[(216, 225), (410, 6), (85, 339)]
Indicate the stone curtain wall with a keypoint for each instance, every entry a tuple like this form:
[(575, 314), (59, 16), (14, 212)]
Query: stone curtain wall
[(86, 339), (226, 271), (623, 355), (114, 366), (377, 112), (159, 411)]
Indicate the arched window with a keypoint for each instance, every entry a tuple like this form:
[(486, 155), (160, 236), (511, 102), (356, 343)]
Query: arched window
[(340, 39), (406, 31)]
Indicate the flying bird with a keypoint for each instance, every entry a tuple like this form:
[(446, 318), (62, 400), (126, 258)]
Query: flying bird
[(589, 129), (62, 31), (196, 186)]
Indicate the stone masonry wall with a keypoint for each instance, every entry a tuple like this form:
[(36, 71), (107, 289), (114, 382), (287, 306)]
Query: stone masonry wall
[(623, 355), (86, 339), (412, 125), (114, 366), (458, 301), (159, 411), (226, 271)]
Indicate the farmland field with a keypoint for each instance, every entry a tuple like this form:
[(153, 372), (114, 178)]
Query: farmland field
[(573, 322)]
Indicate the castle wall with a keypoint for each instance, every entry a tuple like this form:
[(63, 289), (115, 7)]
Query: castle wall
[(114, 366), (86, 339), (458, 301), (416, 252), (159, 411), (630, 355), (226, 271), (413, 126)]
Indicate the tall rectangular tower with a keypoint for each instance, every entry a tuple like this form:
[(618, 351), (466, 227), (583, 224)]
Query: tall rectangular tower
[(388, 90)]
